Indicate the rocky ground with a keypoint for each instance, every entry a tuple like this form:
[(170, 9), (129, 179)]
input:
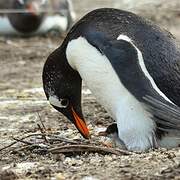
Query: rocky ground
[(23, 106)]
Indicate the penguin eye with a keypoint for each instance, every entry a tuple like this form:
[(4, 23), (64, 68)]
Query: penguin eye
[(21, 1), (64, 103)]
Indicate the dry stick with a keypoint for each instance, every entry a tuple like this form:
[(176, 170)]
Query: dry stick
[(39, 134), (43, 130), (26, 147), (22, 141), (87, 148), (72, 148), (42, 133), (55, 138), (40, 119), (21, 148), (15, 142)]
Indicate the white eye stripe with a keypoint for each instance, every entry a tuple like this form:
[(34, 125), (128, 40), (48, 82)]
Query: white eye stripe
[(58, 103)]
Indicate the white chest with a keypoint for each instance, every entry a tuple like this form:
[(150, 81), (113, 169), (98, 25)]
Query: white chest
[(97, 72)]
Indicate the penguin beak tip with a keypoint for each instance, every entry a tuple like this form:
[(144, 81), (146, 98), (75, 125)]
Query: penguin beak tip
[(81, 125)]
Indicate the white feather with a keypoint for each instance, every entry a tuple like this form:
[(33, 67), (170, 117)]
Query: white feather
[(53, 100)]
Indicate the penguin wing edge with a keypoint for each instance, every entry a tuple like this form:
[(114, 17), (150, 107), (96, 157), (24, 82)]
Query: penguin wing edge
[(166, 115)]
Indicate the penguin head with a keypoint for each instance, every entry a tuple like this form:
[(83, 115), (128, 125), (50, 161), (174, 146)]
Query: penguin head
[(32, 7), (62, 86)]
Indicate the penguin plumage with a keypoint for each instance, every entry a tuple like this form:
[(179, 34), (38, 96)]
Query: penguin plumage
[(131, 66)]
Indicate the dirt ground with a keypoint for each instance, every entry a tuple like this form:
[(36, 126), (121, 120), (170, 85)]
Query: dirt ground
[(23, 104)]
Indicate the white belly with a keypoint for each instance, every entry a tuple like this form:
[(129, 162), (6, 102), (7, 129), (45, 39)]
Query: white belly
[(135, 126), (97, 73)]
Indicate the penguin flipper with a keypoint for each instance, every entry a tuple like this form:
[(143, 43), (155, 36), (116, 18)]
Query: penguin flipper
[(166, 115)]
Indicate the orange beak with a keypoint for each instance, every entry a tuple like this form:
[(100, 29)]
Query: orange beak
[(80, 125)]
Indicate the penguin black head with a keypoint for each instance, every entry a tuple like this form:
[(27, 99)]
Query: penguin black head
[(30, 20), (62, 86)]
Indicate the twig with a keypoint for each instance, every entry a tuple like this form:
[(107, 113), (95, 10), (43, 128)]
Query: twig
[(87, 148), (22, 141), (5, 147), (40, 119), (43, 130), (54, 137), (75, 148), (43, 134), (27, 147), (21, 148), (15, 142)]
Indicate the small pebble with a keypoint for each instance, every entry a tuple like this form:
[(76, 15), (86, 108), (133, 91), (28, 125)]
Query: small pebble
[(60, 176)]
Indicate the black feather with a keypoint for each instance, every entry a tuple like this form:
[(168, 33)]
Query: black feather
[(166, 115)]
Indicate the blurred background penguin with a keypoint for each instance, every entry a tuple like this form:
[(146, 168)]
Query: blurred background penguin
[(30, 17)]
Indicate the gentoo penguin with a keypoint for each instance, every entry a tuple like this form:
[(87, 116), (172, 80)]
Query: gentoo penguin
[(29, 21), (131, 66), (36, 17)]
